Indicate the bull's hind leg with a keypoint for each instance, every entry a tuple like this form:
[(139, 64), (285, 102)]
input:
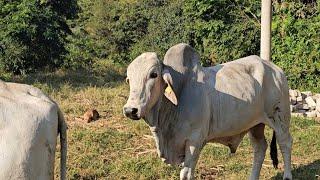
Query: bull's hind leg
[(285, 142), (280, 124), (259, 143)]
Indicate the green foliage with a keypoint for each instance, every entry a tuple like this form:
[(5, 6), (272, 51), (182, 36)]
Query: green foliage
[(33, 33), (296, 43), (220, 30), (166, 27), (121, 30), (224, 30)]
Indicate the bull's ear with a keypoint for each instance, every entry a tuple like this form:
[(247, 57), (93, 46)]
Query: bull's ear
[(169, 92)]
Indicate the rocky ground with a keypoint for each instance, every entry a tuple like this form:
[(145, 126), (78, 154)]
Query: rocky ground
[(304, 104)]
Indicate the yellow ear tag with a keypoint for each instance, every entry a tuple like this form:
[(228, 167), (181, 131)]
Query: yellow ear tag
[(168, 89)]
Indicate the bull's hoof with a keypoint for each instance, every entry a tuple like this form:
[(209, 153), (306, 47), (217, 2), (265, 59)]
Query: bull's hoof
[(186, 174), (287, 177)]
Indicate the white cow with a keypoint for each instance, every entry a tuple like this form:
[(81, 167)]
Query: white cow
[(29, 125), (187, 105)]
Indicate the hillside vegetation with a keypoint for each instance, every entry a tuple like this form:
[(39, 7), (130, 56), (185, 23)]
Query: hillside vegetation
[(38, 34)]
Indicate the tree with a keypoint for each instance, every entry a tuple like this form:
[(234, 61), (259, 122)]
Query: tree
[(33, 33)]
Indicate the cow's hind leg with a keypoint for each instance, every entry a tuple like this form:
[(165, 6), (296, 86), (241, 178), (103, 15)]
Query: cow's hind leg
[(259, 143), (284, 140), (285, 143)]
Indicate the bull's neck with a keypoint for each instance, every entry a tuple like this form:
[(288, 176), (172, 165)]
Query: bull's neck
[(162, 115), (161, 120)]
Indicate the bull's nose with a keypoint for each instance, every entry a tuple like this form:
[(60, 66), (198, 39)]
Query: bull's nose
[(131, 112), (134, 111)]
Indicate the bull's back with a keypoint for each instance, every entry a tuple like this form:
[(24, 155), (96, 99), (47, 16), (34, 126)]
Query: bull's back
[(237, 96), (28, 130)]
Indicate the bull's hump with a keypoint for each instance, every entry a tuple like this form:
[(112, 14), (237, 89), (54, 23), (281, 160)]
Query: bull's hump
[(181, 57)]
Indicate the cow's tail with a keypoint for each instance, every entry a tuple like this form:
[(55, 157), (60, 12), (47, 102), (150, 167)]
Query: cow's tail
[(63, 145), (273, 151)]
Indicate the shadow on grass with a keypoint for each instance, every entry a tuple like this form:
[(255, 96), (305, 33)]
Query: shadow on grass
[(310, 171), (107, 76)]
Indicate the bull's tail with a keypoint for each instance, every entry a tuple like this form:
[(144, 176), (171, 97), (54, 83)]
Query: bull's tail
[(273, 151), (63, 145)]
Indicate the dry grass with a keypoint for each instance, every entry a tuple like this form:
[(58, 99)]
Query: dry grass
[(117, 148)]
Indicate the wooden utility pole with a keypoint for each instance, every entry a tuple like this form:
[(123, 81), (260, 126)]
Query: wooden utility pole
[(266, 17)]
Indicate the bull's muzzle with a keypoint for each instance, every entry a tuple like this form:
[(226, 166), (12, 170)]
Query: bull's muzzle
[(131, 113)]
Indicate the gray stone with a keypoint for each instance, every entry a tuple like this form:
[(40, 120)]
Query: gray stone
[(292, 108), (299, 93), (318, 105), (302, 106), (301, 111), (316, 96), (293, 93), (311, 114), (297, 106), (305, 107), (306, 94), (311, 103), (299, 99), (293, 100)]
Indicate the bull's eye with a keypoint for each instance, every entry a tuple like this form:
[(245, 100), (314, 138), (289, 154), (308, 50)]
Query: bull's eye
[(127, 80), (153, 75)]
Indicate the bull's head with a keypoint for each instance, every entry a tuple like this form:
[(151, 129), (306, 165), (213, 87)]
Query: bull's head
[(148, 80)]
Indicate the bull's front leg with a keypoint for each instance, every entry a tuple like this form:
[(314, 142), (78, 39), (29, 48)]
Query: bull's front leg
[(192, 152)]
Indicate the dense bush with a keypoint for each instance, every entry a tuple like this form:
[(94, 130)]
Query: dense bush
[(123, 29), (166, 27), (33, 32), (118, 31), (224, 30), (82, 47), (296, 42)]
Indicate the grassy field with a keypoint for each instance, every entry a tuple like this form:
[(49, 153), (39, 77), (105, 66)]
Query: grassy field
[(117, 148)]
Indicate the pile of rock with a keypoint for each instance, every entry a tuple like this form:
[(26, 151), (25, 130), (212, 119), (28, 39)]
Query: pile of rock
[(304, 104)]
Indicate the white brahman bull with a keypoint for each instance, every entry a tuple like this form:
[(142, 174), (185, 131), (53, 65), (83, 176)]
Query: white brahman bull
[(29, 125), (187, 105)]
